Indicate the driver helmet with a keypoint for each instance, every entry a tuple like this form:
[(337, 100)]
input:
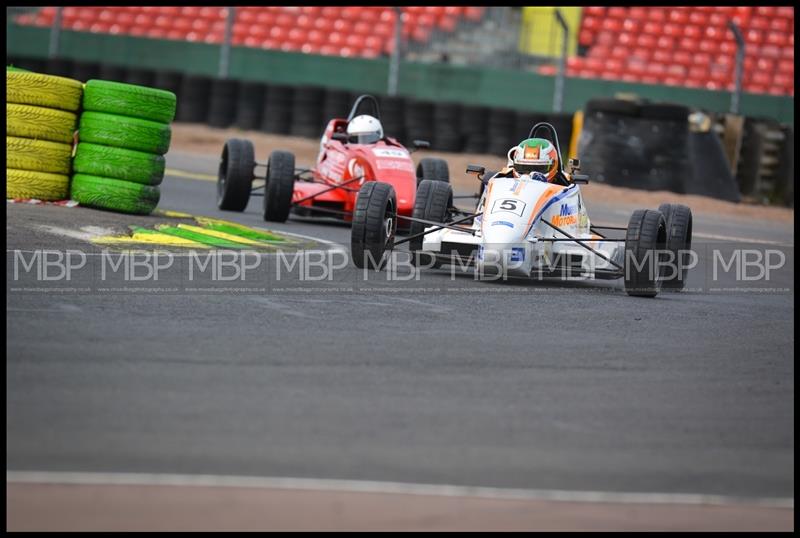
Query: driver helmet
[(364, 129), (534, 155)]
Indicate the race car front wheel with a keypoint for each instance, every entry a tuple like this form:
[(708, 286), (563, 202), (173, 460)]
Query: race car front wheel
[(374, 224), (235, 174), (280, 186), (645, 243), (434, 169), (679, 241), (434, 198)]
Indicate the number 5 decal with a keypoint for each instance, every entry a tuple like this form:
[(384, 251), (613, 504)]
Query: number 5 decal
[(509, 204)]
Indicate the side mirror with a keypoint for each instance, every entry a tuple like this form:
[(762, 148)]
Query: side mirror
[(421, 144), (341, 137), (580, 179), (574, 164), (475, 169)]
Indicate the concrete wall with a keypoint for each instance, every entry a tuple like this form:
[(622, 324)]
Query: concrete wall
[(438, 82)]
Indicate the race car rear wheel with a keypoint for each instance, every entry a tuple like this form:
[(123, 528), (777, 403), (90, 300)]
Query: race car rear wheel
[(434, 169), (235, 175), (434, 198), (679, 241), (374, 224), (645, 243), (280, 186)]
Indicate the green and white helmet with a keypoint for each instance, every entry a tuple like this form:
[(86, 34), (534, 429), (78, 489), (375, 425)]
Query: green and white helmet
[(534, 155)]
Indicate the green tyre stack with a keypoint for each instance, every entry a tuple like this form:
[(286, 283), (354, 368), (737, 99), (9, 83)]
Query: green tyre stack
[(124, 133), (40, 126)]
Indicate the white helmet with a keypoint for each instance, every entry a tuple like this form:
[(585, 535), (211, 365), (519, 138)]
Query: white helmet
[(364, 129)]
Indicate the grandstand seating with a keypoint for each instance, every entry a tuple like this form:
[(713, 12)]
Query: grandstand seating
[(687, 46), (360, 31)]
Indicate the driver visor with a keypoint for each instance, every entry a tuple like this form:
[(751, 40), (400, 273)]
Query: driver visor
[(363, 138)]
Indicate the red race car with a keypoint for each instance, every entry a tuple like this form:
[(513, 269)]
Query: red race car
[(352, 151)]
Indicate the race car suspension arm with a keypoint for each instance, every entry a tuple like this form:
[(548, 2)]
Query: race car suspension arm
[(332, 187), (438, 226), (584, 245)]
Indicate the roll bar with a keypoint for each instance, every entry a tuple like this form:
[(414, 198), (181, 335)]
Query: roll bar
[(552, 130), (364, 98)]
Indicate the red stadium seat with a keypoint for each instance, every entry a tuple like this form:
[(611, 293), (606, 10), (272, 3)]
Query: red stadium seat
[(666, 43), (657, 14), (662, 55), (692, 32), (709, 45), (617, 12)]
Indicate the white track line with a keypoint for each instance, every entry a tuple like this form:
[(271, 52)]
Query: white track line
[(365, 486)]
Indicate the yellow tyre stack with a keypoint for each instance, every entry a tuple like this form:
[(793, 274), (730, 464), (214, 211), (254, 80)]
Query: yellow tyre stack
[(40, 125)]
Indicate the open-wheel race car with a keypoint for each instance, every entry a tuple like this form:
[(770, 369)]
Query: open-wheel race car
[(353, 151), (530, 221)]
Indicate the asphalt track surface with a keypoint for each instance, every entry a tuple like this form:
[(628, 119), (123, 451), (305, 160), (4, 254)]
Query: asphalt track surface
[(514, 385)]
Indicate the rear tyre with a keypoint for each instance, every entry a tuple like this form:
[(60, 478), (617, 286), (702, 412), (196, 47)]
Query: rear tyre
[(235, 175), (679, 240), (374, 224), (280, 186), (433, 200), (434, 169), (645, 240)]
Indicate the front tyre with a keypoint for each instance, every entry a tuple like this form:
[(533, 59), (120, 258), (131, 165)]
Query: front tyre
[(434, 169), (235, 175), (679, 242), (374, 224), (645, 241), (280, 186), (433, 200)]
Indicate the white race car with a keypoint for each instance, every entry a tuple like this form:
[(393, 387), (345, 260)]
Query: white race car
[(526, 226)]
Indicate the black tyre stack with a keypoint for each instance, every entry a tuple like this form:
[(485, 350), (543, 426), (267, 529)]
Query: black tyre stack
[(60, 67), (474, 128), (250, 105), (447, 127), (169, 81), (112, 72), (222, 103), (306, 119), (419, 124), (393, 116), (335, 104), (638, 146), (502, 122), (195, 98), (85, 70), (277, 112), (525, 120), (139, 76)]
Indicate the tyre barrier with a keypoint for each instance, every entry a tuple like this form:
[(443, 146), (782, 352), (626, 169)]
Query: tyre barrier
[(418, 120), (40, 125), (304, 111), (114, 73), (277, 110), (393, 116), (637, 145), (474, 127), (124, 132), (222, 103), (306, 117), (139, 77), (169, 81), (195, 97), (337, 103), (447, 127), (86, 71), (500, 127), (250, 105), (60, 67)]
